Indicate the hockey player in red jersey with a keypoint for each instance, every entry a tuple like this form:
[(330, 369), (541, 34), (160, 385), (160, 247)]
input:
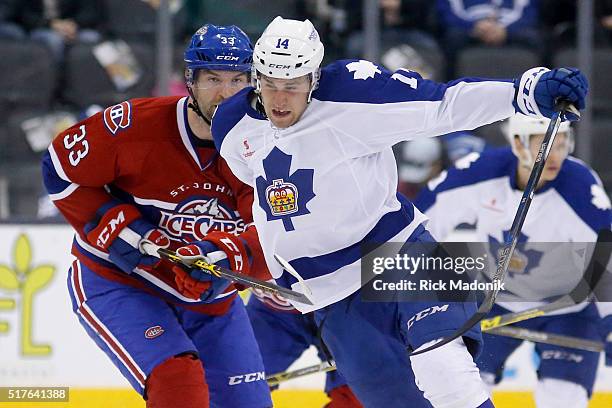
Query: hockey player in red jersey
[(146, 170)]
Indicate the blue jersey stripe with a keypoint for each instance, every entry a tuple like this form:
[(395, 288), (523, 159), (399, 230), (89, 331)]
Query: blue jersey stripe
[(53, 182), (387, 227)]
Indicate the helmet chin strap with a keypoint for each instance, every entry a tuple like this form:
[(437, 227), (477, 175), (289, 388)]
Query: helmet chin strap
[(193, 105)]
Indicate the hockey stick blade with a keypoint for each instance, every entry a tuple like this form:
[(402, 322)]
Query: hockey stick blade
[(291, 270), (231, 275), (275, 379), (517, 224), (548, 338)]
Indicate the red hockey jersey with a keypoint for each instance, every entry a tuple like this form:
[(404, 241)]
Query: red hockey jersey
[(143, 152)]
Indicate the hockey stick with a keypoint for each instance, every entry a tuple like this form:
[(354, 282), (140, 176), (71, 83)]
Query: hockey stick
[(323, 367), (592, 275), (506, 331), (517, 224), (547, 338), (218, 271), (291, 270)]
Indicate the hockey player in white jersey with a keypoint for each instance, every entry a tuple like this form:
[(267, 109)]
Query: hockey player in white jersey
[(570, 205), (316, 145)]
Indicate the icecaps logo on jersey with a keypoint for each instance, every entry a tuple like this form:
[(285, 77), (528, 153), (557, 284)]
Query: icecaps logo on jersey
[(363, 69), (118, 117), (193, 219), (523, 260), (281, 195)]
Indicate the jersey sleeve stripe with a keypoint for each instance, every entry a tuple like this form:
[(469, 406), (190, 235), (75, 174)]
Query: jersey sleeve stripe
[(64, 193), (57, 187), (57, 165), (89, 249), (155, 203)]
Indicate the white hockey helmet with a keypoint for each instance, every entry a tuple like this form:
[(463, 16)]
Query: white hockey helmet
[(526, 126), (288, 49)]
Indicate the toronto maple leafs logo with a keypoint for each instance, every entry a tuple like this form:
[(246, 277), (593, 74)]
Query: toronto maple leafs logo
[(363, 69), (522, 260), (283, 195)]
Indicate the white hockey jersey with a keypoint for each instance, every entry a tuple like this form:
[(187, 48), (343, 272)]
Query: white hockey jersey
[(481, 189), (328, 182)]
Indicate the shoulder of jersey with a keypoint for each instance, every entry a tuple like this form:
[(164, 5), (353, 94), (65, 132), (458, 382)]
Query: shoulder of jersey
[(350, 81), (467, 172), (228, 114), (476, 167), (118, 120), (581, 188), (575, 170)]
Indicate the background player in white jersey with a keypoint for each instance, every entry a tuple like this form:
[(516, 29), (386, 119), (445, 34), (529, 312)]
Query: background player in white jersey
[(316, 145), (570, 205)]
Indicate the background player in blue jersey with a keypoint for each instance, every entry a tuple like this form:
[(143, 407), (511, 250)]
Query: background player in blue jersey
[(570, 205), (146, 170), (316, 146)]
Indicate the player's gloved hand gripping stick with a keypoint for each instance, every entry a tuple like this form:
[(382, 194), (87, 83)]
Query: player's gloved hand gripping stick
[(562, 109), (225, 273)]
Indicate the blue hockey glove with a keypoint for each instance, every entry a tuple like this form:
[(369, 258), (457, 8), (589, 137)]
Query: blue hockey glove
[(120, 231), (538, 89), (195, 283)]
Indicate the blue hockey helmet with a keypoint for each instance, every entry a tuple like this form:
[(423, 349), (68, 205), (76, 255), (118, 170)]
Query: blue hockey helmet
[(218, 48)]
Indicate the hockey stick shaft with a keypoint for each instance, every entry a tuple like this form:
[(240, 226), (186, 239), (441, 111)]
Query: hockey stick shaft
[(548, 338), (506, 331), (323, 367), (511, 318), (517, 224), (218, 271)]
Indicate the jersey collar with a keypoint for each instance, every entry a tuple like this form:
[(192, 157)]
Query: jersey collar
[(190, 141)]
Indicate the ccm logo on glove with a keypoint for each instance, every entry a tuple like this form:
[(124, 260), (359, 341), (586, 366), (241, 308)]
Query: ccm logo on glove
[(109, 229), (111, 224), (233, 250)]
